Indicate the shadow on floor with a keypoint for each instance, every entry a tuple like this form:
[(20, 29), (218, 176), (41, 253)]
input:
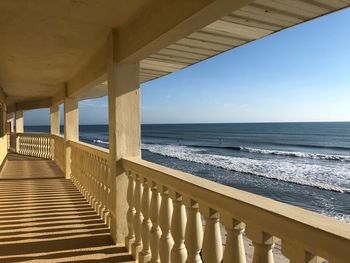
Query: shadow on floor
[(48, 220)]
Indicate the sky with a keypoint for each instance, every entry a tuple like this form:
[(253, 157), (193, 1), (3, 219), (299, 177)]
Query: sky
[(299, 74)]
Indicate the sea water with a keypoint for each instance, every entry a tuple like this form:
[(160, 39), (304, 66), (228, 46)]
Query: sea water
[(304, 164)]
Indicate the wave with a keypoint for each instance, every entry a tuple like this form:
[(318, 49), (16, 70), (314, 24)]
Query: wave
[(329, 177), (298, 154), (100, 142), (261, 151)]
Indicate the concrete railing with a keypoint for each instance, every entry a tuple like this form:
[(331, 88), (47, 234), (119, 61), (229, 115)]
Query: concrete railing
[(12, 141), (165, 214), (91, 175), (168, 209), (34, 144), (3, 150), (58, 151)]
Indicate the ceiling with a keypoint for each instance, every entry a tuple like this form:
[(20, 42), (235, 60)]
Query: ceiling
[(45, 42), (249, 23)]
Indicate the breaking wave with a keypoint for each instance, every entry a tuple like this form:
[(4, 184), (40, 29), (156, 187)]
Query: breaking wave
[(298, 154), (333, 177), (100, 142)]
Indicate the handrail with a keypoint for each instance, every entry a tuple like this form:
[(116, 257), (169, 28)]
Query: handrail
[(297, 228), (32, 134), (99, 151)]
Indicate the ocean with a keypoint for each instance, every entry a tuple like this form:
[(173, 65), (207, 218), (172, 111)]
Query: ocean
[(303, 164)]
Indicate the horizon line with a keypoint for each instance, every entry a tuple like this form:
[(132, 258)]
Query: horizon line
[(182, 123)]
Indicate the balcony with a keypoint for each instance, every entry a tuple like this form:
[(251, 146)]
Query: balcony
[(64, 200), (170, 214)]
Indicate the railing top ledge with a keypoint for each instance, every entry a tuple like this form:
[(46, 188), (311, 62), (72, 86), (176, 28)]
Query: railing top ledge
[(276, 218), (91, 148), (33, 134), (59, 136)]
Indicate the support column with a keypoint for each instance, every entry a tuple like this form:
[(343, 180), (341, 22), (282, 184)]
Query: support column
[(71, 129), (10, 118), (19, 127), (55, 120), (124, 132), (19, 122)]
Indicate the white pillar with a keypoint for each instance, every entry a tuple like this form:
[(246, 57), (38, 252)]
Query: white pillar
[(71, 128), (124, 132), (19, 122), (55, 120)]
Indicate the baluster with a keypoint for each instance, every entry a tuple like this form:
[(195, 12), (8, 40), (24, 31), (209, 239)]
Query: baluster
[(105, 193), (93, 181), (166, 241), (145, 254), (99, 186), (234, 247), (88, 169), (263, 244), (296, 254), (194, 231), (178, 223), (84, 174), (23, 143), (130, 238), (34, 146), (137, 245), (155, 230), (212, 244), (40, 139)]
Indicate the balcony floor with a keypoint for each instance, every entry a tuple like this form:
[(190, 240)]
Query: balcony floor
[(44, 218)]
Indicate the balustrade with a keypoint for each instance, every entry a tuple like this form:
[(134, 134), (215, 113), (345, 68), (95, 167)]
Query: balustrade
[(186, 200), (36, 145), (58, 152), (90, 172), (168, 209)]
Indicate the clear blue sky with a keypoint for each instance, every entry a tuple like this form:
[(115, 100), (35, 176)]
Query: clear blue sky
[(299, 74)]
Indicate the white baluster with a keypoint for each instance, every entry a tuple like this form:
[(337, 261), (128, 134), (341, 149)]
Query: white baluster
[(166, 241), (234, 247), (130, 238), (145, 254), (137, 245), (178, 224), (263, 244), (194, 231), (155, 230), (212, 244)]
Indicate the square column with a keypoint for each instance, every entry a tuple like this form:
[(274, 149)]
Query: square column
[(71, 129), (19, 122), (55, 120), (10, 118), (124, 132), (3, 120)]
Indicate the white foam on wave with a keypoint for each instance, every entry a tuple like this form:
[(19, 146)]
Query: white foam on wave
[(100, 142), (298, 154), (328, 177)]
